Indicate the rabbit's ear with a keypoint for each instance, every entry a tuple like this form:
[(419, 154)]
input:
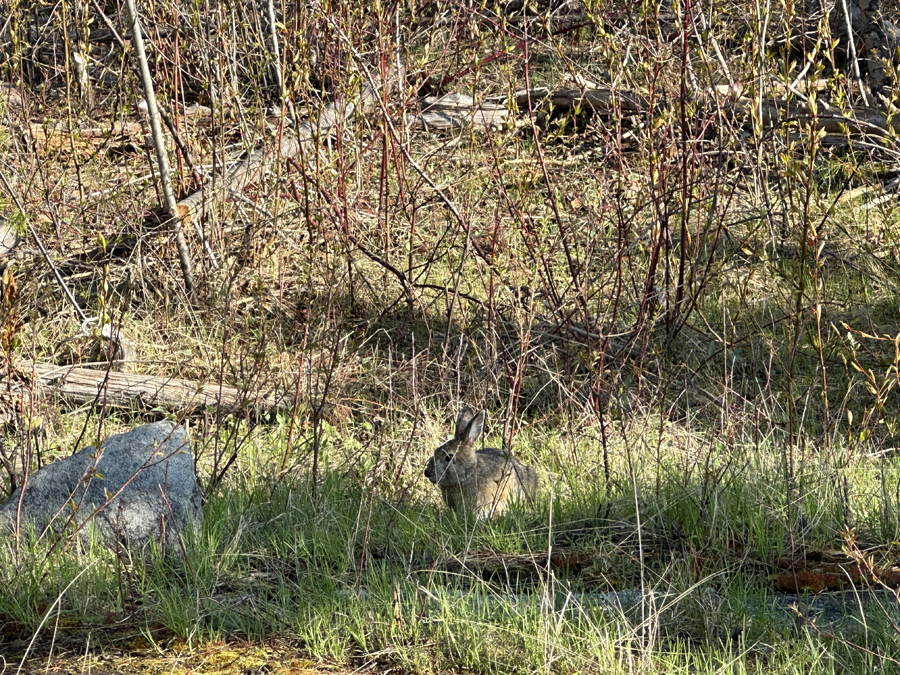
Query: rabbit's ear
[(462, 422), (476, 426)]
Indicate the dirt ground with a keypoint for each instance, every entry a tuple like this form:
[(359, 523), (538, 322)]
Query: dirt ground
[(128, 651)]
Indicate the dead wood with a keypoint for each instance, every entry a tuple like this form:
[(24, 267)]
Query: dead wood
[(302, 139), (855, 121), (841, 126), (775, 111), (589, 99), (60, 136), (83, 386), (457, 111)]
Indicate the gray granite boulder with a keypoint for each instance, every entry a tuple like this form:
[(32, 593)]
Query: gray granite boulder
[(140, 486)]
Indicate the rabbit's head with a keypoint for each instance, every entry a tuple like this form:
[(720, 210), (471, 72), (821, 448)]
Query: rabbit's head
[(454, 462)]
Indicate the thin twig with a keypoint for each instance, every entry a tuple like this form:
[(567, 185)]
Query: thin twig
[(37, 240)]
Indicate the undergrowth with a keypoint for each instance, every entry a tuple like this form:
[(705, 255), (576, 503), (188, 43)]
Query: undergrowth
[(591, 579), (678, 302)]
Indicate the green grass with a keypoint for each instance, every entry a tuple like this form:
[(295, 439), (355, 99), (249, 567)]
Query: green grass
[(359, 573)]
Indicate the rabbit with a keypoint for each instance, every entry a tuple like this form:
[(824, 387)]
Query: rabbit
[(481, 482)]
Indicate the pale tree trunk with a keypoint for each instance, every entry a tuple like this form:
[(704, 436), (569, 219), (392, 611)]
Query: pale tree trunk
[(184, 258)]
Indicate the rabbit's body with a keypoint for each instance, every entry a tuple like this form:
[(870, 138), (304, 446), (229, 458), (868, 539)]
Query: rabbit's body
[(482, 482)]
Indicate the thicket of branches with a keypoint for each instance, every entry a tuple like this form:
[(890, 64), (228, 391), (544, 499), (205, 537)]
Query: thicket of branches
[(698, 239)]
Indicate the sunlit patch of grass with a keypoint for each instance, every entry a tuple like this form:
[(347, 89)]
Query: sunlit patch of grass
[(354, 575)]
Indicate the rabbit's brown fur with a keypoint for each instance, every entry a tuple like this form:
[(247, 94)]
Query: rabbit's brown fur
[(483, 481)]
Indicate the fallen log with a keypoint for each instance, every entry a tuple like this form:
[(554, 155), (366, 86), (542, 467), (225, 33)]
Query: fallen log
[(302, 139), (78, 385), (457, 111), (628, 102), (841, 126)]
